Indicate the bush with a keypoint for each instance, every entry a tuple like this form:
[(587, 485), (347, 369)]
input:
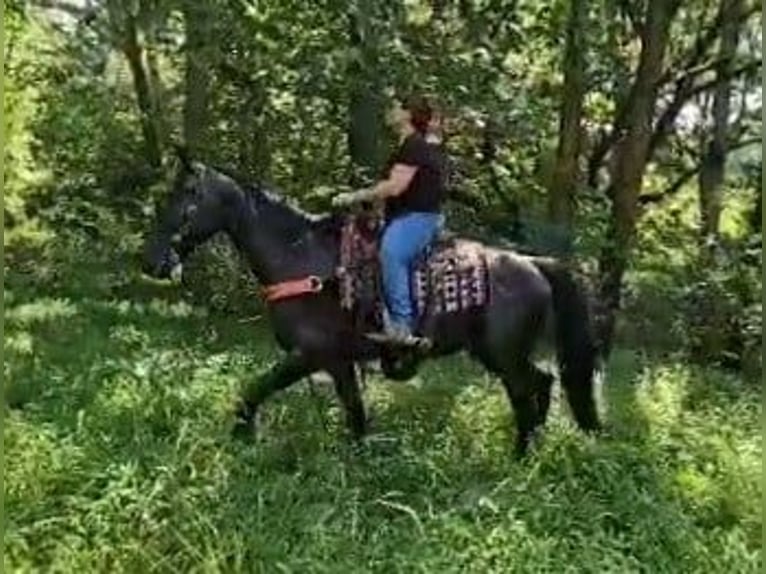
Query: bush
[(215, 276), (683, 297), (722, 309)]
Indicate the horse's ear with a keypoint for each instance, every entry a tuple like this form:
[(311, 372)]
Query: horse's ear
[(184, 157)]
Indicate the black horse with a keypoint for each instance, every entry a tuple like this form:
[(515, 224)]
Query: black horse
[(282, 243)]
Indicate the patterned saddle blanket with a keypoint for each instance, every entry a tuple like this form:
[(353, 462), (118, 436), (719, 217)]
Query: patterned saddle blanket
[(450, 277)]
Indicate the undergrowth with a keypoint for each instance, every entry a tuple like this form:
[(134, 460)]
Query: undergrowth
[(119, 402)]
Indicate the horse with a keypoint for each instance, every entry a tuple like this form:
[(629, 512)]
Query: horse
[(290, 248)]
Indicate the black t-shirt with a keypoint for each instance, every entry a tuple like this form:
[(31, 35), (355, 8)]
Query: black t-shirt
[(427, 188)]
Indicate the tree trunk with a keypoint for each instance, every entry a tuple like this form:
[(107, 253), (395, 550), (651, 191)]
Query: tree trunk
[(197, 75), (508, 219), (134, 53), (714, 160), (253, 146), (627, 169), (252, 134), (757, 218), (365, 133), (566, 170), (156, 92)]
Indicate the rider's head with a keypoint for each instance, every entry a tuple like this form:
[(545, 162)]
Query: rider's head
[(412, 113)]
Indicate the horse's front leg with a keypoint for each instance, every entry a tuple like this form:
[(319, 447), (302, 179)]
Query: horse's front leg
[(292, 369), (347, 388)]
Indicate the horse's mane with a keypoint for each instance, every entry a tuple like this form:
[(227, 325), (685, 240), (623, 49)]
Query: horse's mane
[(279, 209)]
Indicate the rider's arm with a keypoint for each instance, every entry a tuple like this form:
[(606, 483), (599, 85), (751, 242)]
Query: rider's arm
[(398, 181), (413, 154)]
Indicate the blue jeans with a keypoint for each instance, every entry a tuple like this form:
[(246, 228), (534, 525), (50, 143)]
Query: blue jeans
[(404, 239)]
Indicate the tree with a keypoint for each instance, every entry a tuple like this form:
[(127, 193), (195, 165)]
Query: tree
[(713, 165), (670, 74), (124, 23), (365, 131), (197, 72), (631, 155), (566, 173)]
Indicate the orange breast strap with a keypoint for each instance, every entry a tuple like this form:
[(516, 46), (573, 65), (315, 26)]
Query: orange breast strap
[(293, 288)]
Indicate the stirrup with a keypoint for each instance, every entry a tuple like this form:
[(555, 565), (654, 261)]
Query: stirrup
[(409, 341)]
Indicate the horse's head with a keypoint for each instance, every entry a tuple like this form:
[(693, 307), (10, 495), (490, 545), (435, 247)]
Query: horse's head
[(192, 213)]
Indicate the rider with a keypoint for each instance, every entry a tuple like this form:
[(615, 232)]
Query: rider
[(413, 193)]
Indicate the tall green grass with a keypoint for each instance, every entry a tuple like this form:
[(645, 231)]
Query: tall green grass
[(118, 457)]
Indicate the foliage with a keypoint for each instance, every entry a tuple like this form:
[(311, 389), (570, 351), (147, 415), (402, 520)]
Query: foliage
[(20, 108), (217, 277), (71, 138), (704, 300)]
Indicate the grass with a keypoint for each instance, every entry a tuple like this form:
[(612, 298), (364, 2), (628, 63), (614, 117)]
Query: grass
[(118, 409)]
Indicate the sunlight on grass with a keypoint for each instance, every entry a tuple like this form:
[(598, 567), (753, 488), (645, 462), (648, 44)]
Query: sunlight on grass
[(40, 459), (165, 309), (20, 342), (40, 311), (661, 395)]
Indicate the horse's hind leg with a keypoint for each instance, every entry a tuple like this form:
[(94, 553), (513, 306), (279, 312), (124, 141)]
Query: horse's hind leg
[(543, 383), (519, 384), (528, 387), (513, 323), (280, 376)]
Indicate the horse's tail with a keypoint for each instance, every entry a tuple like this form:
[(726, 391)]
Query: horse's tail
[(575, 344)]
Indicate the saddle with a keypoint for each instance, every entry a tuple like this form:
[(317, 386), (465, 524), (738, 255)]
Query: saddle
[(450, 277)]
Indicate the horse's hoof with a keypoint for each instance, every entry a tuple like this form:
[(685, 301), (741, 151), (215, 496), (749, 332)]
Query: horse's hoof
[(537, 439), (594, 428), (520, 453), (244, 430), (357, 446), (530, 445)]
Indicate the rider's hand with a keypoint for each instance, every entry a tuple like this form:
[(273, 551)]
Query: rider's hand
[(344, 199), (358, 196)]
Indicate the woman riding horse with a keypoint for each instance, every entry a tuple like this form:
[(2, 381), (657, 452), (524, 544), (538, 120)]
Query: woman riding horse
[(413, 193), (295, 256)]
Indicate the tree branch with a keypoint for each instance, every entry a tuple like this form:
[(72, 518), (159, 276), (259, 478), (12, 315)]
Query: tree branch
[(695, 71), (675, 187), (686, 91), (690, 70), (683, 179), (605, 143), (72, 9), (692, 73), (705, 40)]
